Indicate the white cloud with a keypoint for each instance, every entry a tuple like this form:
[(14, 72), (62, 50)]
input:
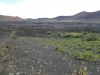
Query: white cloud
[(48, 8)]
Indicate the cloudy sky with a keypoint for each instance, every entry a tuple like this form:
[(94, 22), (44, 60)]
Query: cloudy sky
[(46, 8)]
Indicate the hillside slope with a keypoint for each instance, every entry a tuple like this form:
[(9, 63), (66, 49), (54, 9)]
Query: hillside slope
[(10, 18)]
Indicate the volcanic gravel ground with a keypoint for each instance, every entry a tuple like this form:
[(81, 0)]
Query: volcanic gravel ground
[(44, 60)]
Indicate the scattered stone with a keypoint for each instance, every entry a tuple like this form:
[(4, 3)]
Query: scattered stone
[(98, 67), (32, 67), (66, 74), (39, 52), (11, 74), (38, 62), (18, 73), (39, 70), (90, 73), (45, 63), (97, 70), (63, 58), (14, 65), (55, 66), (46, 46), (50, 63), (33, 61), (85, 66)]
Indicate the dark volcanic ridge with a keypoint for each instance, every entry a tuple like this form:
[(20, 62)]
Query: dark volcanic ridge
[(87, 17)]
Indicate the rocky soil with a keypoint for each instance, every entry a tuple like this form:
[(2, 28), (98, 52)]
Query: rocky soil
[(35, 59)]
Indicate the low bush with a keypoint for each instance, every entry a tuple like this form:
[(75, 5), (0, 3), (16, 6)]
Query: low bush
[(6, 58), (14, 36), (90, 37), (59, 50), (49, 33), (87, 55), (59, 34), (68, 36), (79, 55)]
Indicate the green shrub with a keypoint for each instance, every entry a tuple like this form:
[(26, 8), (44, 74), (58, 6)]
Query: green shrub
[(68, 36), (14, 36), (90, 37), (89, 48), (59, 34), (88, 54), (69, 52), (59, 50), (49, 33), (79, 55), (97, 57), (77, 36)]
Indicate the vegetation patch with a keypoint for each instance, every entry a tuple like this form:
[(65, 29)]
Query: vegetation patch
[(83, 46), (14, 36), (80, 70)]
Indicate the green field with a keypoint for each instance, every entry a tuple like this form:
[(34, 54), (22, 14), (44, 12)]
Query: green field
[(82, 46)]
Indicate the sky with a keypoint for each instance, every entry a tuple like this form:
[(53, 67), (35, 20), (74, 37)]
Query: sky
[(46, 8)]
